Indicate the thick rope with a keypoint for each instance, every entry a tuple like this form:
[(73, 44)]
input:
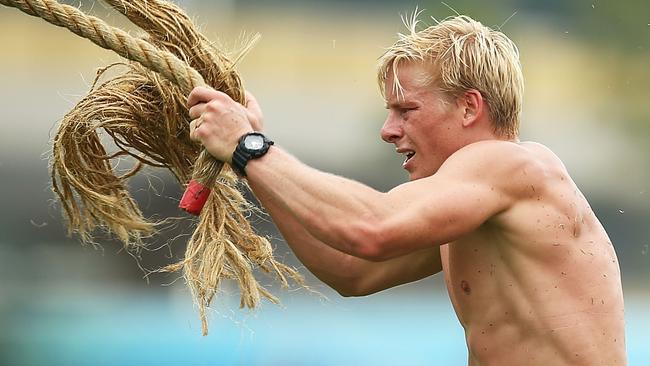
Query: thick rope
[(224, 244), (166, 27), (206, 167), (105, 36)]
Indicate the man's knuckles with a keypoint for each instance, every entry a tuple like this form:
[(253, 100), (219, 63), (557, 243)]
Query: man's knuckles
[(215, 107), (202, 94), (196, 111)]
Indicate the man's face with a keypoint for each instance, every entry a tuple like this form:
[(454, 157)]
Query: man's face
[(425, 126)]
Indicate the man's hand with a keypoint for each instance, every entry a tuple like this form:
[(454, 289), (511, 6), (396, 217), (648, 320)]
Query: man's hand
[(218, 121), (254, 112)]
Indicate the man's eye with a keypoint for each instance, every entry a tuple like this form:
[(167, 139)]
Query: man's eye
[(405, 110)]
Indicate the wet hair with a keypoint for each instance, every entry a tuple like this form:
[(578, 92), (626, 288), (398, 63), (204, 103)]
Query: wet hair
[(463, 54)]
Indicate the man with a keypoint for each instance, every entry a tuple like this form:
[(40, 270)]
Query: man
[(531, 272)]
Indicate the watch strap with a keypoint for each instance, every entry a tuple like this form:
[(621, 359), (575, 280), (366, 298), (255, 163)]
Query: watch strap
[(242, 155)]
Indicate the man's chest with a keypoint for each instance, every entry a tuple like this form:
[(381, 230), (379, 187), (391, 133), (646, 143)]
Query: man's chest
[(475, 272)]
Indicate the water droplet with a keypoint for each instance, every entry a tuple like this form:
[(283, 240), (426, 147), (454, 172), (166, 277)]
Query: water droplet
[(38, 225)]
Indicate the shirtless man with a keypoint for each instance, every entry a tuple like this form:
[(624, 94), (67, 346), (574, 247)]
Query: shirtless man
[(530, 271)]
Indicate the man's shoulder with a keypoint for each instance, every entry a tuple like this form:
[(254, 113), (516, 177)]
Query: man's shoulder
[(500, 154), (509, 164)]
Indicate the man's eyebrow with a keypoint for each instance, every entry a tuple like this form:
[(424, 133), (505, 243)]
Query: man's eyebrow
[(398, 104), (394, 104)]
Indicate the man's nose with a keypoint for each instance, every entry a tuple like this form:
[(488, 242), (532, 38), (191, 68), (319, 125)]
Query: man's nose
[(391, 131)]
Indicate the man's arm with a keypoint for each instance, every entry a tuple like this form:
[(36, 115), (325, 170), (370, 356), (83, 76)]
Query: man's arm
[(348, 275), (471, 187)]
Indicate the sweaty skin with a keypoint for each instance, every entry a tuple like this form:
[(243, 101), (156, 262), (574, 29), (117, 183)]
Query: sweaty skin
[(539, 283), (531, 272)]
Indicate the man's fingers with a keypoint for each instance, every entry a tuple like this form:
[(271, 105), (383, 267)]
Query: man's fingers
[(202, 94), (196, 123), (197, 110), (254, 112), (252, 105)]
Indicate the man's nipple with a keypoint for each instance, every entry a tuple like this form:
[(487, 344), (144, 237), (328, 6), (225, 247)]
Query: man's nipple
[(464, 285)]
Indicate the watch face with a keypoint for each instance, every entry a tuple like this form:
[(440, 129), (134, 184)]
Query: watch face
[(253, 142)]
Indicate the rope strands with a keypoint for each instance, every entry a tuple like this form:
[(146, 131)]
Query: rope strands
[(111, 38), (143, 111)]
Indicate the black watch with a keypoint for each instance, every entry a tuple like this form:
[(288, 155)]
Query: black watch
[(251, 146)]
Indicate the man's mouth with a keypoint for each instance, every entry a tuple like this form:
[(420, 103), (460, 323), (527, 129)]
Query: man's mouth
[(408, 155)]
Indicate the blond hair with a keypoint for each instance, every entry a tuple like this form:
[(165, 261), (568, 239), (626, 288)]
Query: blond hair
[(465, 55)]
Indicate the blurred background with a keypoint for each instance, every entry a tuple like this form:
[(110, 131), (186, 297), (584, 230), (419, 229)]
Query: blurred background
[(586, 65)]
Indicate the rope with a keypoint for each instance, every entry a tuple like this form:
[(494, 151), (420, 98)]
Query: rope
[(105, 36), (147, 119), (206, 168)]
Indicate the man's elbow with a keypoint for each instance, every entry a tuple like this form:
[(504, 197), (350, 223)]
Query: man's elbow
[(352, 278), (356, 289), (353, 293), (370, 242)]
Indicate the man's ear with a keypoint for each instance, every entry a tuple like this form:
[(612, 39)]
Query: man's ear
[(472, 106)]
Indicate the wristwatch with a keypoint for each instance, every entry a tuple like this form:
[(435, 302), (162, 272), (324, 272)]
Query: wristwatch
[(252, 145)]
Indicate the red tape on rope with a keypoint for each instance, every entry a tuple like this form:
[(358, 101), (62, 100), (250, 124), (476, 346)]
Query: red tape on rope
[(194, 197)]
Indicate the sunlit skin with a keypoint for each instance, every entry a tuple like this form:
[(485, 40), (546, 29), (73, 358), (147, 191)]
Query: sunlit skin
[(531, 273), (421, 120)]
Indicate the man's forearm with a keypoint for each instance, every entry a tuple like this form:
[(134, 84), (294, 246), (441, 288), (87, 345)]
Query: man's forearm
[(335, 268), (334, 210), (348, 275)]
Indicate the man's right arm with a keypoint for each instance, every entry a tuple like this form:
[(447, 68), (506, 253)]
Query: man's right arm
[(349, 275)]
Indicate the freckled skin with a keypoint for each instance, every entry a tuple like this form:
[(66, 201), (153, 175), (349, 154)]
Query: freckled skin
[(522, 282), (531, 273), (539, 297)]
